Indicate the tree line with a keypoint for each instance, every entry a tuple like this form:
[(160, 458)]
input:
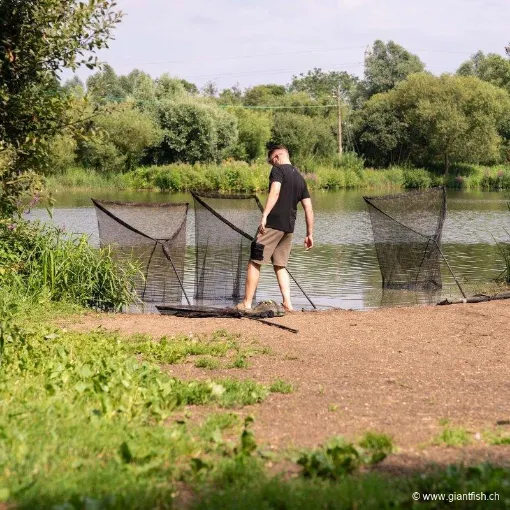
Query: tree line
[(398, 114)]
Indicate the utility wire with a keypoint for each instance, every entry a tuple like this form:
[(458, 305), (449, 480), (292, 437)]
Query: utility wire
[(255, 55), (272, 71), (276, 107), (289, 53)]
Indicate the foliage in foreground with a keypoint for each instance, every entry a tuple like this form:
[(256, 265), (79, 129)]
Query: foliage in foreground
[(82, 417), (85, 423), (364, 492), (43, 260), (38, 39)]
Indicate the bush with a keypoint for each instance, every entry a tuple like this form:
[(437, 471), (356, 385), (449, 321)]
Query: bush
[(416, 178), (193, 131), (350, 161), (41, 259), (61, 153)]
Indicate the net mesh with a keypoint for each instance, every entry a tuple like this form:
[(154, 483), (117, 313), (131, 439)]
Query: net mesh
[(407, 232), (224, 227), (154, 237)]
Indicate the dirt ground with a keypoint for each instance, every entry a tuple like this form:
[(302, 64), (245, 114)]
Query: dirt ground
[(399, 371)]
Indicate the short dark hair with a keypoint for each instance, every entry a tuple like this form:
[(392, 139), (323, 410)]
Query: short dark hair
[(275, 148)]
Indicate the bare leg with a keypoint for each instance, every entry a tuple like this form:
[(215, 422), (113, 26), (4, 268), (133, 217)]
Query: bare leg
[(252, 280), (283, 281)]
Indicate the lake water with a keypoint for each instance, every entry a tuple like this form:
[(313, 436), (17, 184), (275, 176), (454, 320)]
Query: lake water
[(342, 270)]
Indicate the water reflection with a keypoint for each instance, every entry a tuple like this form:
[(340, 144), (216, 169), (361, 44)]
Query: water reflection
[(342, 270)]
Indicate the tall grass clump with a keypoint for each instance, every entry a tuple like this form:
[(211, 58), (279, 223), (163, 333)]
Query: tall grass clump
[(86, 178), (38, 259), (416, 178)]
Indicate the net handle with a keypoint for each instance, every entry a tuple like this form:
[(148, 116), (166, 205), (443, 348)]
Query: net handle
[(168, 256), (451, 271)]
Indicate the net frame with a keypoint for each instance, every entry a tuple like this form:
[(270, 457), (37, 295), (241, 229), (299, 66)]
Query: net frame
[(166, 243), (395, 239)]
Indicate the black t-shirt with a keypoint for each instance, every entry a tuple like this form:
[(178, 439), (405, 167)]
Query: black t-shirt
[(294, 189)]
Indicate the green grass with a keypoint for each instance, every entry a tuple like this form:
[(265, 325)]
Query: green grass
[(239, 362), (84, 420), (280, 386), (453, 436), (240, 177), (363, 492), (499, 436), (338, 458), (180, 347), (89, 420), (207, 362)]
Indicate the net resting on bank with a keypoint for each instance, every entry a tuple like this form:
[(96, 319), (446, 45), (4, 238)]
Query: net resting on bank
[(407, 229), (152, 235)]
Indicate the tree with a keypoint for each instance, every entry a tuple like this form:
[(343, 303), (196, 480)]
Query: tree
[(304, 136), (231, 96), (38, 39), (381, 132), (254, 132), (492, 68), (435, 120), (123, 135), (458, 117), (191, 88), (193, 131), (144, 92), (75, 87), (264, 95), (105, 87), (388, 64), (323, 85), (210, 89), (167, 87)]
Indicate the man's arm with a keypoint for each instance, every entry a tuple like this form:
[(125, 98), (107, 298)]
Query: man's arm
[(274, 193), (307, 206)]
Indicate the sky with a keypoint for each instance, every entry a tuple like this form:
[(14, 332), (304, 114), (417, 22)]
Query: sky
[(249, 42)]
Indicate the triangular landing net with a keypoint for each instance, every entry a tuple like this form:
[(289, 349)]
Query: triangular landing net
[(225, 226), (154, 235), (407, 230)]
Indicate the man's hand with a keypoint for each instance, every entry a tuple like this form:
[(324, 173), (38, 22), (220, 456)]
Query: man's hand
[(262, 226), (308, 242)]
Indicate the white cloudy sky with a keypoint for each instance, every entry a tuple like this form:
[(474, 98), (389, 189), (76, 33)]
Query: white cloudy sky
[(268, 41)]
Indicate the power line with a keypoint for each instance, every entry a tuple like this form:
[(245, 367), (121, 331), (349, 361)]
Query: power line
[(277, 107), (289, 53), (255, 55), (270, 71)]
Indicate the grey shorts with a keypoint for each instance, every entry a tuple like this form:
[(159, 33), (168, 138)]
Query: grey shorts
[(277, 247)]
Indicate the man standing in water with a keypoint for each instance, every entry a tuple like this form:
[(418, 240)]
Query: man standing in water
[(274, 238)]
